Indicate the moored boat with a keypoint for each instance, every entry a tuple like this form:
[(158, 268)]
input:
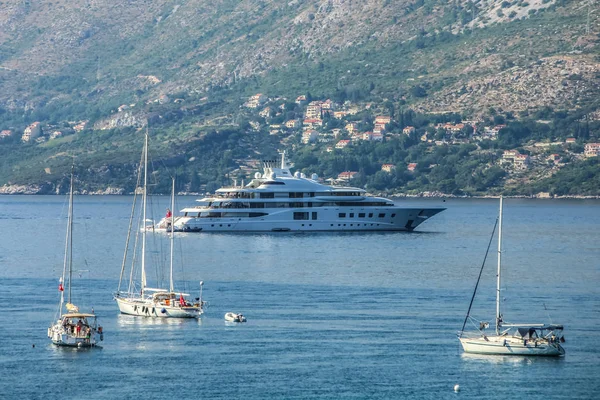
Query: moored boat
[(72, 328), (278, 201), (139, 299), (510, 339), (234, 317)]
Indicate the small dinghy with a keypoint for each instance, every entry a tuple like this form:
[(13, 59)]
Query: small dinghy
[(233, 317)]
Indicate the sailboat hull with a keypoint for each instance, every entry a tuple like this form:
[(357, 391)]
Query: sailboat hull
[(502, 345), (147, 308), (60, 337)]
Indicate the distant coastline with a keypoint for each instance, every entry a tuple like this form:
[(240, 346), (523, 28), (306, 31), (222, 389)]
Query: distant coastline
[(112, 191)]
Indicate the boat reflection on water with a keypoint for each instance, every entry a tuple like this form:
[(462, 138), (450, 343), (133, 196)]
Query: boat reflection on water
[(507, 359), (126, 321)]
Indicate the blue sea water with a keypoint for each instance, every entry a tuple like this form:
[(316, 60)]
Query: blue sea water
[(330, 316)]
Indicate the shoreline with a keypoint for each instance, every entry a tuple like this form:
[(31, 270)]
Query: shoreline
[(25, 190)]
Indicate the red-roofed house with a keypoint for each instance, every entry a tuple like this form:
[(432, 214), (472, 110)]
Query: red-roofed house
[(522, 161), (411, 167), (346, 175), (301, 99), (312, 122), (342, 144), (382, 119), (6, 134)]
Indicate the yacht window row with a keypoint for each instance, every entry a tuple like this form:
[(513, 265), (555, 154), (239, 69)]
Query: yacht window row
[(362, 215), (291, 195), (295, 204)]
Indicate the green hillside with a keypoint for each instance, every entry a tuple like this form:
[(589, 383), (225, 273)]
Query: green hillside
[(185, 69)]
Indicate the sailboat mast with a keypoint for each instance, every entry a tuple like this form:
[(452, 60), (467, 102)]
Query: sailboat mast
[(67, 257), (171, 286), (70, 234), (498, 315), (144, 212)]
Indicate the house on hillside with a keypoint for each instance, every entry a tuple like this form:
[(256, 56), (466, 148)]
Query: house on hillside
[(256, 101), (309, 136), (408, 130), (81, 125), (293, 124), (5, 134), (592, 150), (55, 134), (522, 161), (351, 127), (301, 100), (266, 112), (411, 167), (518, 160), (382, 119), (346, 175), (33, 131), (312, 123), (388, 167), (313, 110), (342, 144)]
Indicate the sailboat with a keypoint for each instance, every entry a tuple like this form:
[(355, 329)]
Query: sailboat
[(139, 299), (510, 339), (72, 327)]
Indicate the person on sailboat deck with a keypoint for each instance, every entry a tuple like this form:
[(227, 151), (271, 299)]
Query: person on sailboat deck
[(169, 214)]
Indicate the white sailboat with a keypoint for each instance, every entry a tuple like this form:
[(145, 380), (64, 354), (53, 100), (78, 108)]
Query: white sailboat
[(508, 338), (72, 327), (153, 302)]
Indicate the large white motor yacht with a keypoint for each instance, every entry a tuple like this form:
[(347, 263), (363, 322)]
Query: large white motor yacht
[(277, 201)]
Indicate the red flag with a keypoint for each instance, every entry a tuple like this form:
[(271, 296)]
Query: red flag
[(60, 287)]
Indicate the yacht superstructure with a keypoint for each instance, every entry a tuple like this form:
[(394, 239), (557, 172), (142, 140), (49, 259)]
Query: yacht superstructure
[(278, 201)]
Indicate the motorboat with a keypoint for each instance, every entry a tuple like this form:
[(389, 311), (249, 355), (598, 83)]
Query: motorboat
[(278, 201), (528, 339), (233, 317)]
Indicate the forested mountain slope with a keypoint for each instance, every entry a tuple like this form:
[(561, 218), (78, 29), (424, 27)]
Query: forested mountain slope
[(186, 67)]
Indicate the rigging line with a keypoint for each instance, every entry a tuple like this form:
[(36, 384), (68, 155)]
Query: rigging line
[(136, 249), (479, 278), (130, 224)]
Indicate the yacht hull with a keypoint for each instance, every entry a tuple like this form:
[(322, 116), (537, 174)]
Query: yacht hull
[(322, 219), (147, 308), (502, 345)]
